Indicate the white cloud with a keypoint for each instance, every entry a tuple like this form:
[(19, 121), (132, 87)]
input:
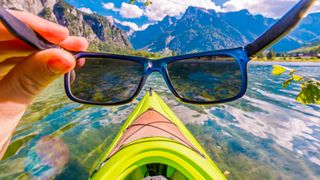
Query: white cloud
[(109, 6), (86, 10), (161, 8), (268, 8), (143, 27), (130, 11), (126, 10), (132, 25), (316, 7)]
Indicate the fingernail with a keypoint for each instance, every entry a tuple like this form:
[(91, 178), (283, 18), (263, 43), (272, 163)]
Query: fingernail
[(57, 65)]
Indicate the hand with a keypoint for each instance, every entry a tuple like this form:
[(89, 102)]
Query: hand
[(25, 72)]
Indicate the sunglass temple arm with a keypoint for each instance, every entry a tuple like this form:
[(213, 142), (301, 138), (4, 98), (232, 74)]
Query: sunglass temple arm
[(23, 32), (280, 28)]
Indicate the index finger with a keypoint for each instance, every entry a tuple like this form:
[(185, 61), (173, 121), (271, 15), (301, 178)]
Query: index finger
[(54, 33)]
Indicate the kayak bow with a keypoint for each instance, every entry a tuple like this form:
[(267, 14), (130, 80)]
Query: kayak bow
[(153, 142)]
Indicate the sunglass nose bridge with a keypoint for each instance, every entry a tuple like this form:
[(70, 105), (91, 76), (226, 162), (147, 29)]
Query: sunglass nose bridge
[(154, 66)]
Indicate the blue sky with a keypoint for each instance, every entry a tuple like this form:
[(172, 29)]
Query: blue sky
[(138, 17)]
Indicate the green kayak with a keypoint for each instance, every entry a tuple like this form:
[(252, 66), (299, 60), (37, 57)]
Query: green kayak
[(154, 144)]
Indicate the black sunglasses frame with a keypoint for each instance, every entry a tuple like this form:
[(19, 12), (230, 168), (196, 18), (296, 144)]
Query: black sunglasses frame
[(242, 54)]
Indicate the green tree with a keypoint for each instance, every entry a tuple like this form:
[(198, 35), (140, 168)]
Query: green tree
[(261, 56), (271, 54), (146, 2)]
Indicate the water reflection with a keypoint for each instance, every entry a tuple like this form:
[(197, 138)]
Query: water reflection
[(48, 159), (265, 135)]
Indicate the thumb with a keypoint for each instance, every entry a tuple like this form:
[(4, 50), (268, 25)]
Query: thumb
[(34, 74)]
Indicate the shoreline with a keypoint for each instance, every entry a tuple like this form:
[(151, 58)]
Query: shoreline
[(286, 60), (283, 61)]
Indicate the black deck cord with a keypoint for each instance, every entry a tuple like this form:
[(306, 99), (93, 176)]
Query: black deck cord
[(150, 124), (176, 137), (143, 125)]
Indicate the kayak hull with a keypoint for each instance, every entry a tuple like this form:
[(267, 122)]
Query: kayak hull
[(180, 153)]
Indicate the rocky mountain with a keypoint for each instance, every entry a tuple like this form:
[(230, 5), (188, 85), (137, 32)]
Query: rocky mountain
[(102, 34), (308, 29), (203, 30), (310, 49), (306, 34), (141, 39)]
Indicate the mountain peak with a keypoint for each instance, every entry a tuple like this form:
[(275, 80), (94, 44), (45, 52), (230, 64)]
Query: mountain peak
[(168, 20), (191, 9), (314, 15), (195, 10), (245, 11)]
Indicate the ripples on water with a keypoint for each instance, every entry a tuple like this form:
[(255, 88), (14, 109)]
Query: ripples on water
[(266, 134)]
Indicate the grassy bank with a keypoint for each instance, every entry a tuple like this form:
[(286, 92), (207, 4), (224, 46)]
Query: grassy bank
[(286, 59)]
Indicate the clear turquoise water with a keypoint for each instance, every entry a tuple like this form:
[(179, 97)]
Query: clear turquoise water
[(265, 135)]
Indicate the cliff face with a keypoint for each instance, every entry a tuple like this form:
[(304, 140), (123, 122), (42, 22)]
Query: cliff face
[(102, 35), (32, 6)]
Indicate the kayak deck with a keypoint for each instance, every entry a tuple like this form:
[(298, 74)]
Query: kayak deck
[(151, 124), (152, 142)]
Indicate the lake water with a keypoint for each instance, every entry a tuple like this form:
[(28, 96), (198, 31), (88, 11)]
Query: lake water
[(264, 135)]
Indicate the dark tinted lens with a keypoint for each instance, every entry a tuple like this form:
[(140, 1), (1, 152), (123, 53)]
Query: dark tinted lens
[(206, 79), (105, 80)]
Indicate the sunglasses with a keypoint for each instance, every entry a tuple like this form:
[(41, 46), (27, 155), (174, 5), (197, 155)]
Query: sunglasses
[(200, 78)]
